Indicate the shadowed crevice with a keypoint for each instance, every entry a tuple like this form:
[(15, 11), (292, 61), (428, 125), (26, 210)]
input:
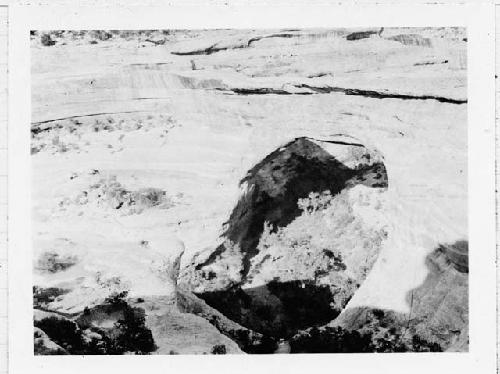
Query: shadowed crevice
[(277, 309), (214, 48), (373, 94), (380, 94)]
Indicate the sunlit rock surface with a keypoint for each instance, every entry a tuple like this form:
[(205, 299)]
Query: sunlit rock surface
[(147, 149)]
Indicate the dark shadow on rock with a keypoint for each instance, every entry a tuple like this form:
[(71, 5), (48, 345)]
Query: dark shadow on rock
[(247, 339), (360, 35), (439, 308), (277, 309), (275, 185), (456, 254), (363, 330), (272, 188)]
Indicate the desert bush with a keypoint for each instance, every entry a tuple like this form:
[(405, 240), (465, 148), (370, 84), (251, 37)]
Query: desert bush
[(131, 334), (331, 340), (315, 201), (419, 344), (196, 308), (267, 345), (128, 335), (63, 332), (126, 34), (52, 262), (108, 192), (46, 295), (219, 349), (46, 40), (149, 197), (100, 35), (339, 340), (397, 343), (117, 298)]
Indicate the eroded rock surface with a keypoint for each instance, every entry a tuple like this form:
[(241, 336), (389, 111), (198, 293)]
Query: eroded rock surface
[(295, 247), (229, 140)]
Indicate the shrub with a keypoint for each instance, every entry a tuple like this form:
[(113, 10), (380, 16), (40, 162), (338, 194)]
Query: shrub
[(267, 345), (132, 334), (100, 35), (47, 40), (46, 295), (338, 340), (52, 262), (63, 332), (421, 345), (315, 201), (331, 340), (117, 299), (129, 333), (219, 349)]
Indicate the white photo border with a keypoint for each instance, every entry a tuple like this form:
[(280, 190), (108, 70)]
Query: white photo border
[(479, 20)]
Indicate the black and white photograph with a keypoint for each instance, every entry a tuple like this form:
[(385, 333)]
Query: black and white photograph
[(259, 191)]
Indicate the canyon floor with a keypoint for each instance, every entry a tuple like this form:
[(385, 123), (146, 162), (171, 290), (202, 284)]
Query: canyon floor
[(249, 191)]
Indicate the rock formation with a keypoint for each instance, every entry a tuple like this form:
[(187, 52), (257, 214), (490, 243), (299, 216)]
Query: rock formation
[(295, 247), (317, 179)]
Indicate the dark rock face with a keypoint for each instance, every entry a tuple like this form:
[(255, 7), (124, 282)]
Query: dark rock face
[(456, 254), (249, 340), (440, 306), (272, 189), (360, 35)]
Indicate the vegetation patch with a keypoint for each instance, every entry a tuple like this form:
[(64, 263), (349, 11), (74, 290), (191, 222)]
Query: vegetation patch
[(111, 194), (53, 262), (43, 296), (112, 328), (277, 309), (339, 340)]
